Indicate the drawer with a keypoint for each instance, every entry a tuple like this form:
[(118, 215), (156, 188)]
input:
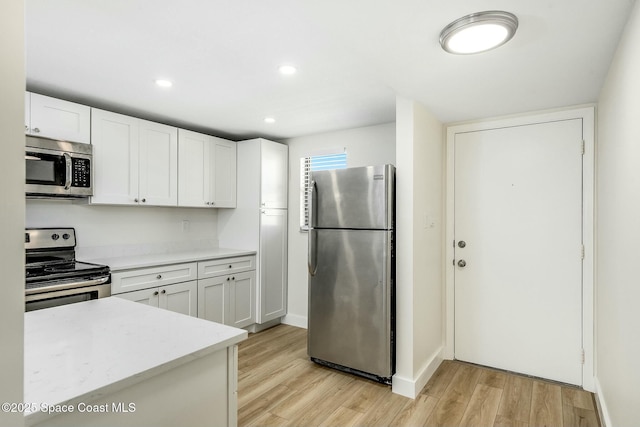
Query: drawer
[(144, 278), (223, 266)]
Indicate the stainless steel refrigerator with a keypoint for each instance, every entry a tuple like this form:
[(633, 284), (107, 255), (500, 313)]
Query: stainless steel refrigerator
[(352, 270)]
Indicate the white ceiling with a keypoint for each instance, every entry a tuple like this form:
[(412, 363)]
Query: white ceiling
[(354, 57)]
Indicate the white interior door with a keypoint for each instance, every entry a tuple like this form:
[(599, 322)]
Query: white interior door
[(518, 249)]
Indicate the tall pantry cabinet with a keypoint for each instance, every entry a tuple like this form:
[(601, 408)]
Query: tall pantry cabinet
[(259, 221)]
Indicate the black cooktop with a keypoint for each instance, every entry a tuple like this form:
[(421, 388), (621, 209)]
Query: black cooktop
[(64, 270)]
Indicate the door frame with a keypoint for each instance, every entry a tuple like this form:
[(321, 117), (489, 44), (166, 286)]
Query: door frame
[(587, 114)]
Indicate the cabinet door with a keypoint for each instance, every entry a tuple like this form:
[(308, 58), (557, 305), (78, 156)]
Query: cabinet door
[(181, 298), (58, 119), (145, 296), (274, 175), (27, 112), (115, 158), (212, 298), (158, 164), (272, 292), (224, 173), (241, 299), (194, 165)]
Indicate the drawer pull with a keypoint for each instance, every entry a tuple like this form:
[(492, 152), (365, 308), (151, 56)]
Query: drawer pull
[(155, 293), (164, 291), (233, 278), (228, 279), (159, 276), (230, 266)]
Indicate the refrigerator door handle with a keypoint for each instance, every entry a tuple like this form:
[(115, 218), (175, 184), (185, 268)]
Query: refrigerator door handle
[(313, 259), (312, 262)]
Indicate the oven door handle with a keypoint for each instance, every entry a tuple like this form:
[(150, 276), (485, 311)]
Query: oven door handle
[(68, 169), (68, 285)]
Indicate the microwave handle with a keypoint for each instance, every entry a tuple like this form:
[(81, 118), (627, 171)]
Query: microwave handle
[(67, 182)]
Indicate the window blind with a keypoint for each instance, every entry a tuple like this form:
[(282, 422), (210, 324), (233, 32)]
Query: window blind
[(308, 165)]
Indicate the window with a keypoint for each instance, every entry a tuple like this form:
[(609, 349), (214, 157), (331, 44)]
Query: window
[(308, 165)]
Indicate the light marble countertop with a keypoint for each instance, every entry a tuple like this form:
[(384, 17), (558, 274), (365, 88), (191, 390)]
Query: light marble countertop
[(150, 260), (75, 353)]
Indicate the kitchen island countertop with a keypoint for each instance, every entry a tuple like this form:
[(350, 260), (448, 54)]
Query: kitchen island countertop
[(80, 352)]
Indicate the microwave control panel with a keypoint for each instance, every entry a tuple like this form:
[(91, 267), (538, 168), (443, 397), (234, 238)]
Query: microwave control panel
[(81, 172)]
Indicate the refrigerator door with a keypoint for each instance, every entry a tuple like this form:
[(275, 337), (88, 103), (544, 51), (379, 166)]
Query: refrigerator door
[(360, 198), (350, 299)]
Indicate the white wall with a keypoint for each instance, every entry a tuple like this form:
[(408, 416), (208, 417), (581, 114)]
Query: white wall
[(137, 228), (419, 246), (372, 145), (618, 234), (12, 82)]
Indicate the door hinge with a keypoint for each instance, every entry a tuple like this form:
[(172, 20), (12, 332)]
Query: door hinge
[(583, 148), (582, 356), (582, 252)]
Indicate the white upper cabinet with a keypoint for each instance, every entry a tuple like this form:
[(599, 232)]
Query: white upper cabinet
[(274, 175), (206, 171), (158, 164), (224, 181), (194, 163), (57, 119), (135, 161)]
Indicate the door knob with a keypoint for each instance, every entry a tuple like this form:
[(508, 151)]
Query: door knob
[(462, 263), (462, 244)]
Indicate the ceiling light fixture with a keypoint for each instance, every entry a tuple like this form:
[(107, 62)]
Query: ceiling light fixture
[(478, 32), (164, 83), (287, 70), (269, 120)]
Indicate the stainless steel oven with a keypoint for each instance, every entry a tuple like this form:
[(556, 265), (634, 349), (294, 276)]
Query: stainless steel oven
[(53, 275), (57, 168)]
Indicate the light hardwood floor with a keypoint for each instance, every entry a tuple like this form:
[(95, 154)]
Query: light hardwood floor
[(279, 386)]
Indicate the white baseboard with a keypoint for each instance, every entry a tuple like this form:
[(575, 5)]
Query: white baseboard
[(411, 388), (295, 320), (602, 405)]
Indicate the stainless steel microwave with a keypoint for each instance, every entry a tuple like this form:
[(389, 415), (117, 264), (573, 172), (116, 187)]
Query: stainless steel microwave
[(57, 168)]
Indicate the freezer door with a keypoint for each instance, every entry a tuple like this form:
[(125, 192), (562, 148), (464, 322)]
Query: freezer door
[(350, 299), (353, 198)]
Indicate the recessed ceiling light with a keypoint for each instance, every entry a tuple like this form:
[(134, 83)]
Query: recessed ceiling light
[(478, 32), (269, 120), (287, 70), (164, 83)]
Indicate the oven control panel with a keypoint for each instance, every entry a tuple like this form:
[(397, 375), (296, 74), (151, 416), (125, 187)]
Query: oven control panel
[(47, 238)]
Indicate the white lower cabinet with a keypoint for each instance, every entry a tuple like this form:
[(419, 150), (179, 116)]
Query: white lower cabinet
[(172, 287), (211, 299), (222, 290), (181, 297), (226, 291)]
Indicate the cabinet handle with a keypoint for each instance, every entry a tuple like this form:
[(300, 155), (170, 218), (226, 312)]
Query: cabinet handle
[(155, 293), (213, 203), (228, 279), (233, 278), (135, 200), (36, 130), (230, 266), (159, 276), (144, 200), (26, 128), (164, 291)]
